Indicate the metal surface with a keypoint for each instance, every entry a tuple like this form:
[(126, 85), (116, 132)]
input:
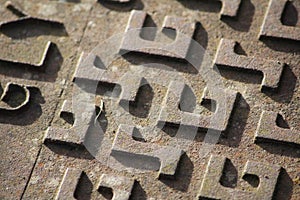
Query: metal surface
[(178, 108), (132, 40), (69, 184), (121, 186), (268, 130), (142, 155), (256, 156), (40, 64), (10, 90), (62, 135), (212, 186), (271, 70), (25, 20), (230, 8), (273, 26)]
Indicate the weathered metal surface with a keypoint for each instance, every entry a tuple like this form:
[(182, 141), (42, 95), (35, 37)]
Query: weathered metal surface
[(177, 112), (119, 1), (229, 8), (62, 135), (96, 71), (132, 41), (121, 186), (73, 179), (89, 22), (269, 131), (25, 20), (69, 184), (271, 70), (40, 64), (25, 61), (129, 151), (273, 26), (8, 93), (212, 187)]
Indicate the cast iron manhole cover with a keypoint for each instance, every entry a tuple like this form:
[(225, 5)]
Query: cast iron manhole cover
[(140, 99)]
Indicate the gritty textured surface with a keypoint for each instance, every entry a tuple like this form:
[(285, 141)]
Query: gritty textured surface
[(33, 169)]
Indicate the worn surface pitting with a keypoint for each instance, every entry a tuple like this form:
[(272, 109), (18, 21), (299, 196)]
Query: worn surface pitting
[(24, 132)]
